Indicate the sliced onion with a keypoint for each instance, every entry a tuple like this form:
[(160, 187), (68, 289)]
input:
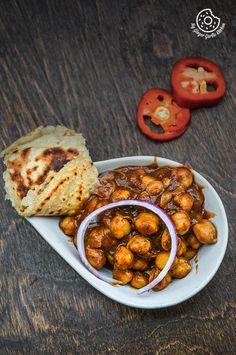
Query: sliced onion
[(148, 205)]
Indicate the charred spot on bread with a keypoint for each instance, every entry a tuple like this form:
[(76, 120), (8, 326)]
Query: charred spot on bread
[(57, 157)]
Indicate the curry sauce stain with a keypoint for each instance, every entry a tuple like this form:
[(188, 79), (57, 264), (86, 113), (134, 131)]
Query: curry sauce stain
[(209, 214), (196, 262)]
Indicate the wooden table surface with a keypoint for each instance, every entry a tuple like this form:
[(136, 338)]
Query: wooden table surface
[(85, 64)]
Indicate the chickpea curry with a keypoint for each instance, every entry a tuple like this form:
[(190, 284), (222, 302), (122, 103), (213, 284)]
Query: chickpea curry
[(134, 242)]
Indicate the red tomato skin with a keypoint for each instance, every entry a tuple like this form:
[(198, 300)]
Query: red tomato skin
[(190, 100), (169, 135)]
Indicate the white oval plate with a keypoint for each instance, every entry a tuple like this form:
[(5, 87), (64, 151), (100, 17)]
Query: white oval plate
[(210, 257)]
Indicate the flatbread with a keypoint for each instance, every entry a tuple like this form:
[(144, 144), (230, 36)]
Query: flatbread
[(49, 172)]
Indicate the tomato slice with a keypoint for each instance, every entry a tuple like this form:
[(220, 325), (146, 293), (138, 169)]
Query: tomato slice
[(197, 82), (158, 106)]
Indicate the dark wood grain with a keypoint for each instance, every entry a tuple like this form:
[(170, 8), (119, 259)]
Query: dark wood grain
[(85, 64)]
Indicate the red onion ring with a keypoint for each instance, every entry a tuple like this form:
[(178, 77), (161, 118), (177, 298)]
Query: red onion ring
[(148, 205)]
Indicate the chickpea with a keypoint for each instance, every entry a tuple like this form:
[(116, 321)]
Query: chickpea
[(162, 258), (165, 198), (120, 194), (163, 283), (198, 198), (100, 236), (124, 258), (166, 240), (108, 241), (205, 231), (193, 242), (144, 196), (153, 274), (96, 257), (139, 244), (179, 189), (147, 223), (183, 176), (119, 227), (184, 201), (95, 237), (110, 258), (190, 253), (182, 247), (146, 179), (139, 280), (68, 225), (125, 276), (181, 268), (154, 187), (166, 182), (181, 221), (140, 264)]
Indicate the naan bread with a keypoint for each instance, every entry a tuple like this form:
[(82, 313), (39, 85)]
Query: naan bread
[(49, 172)]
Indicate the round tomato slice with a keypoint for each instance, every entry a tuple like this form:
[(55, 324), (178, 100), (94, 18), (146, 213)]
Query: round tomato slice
[(197, 82), (159, 108)]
